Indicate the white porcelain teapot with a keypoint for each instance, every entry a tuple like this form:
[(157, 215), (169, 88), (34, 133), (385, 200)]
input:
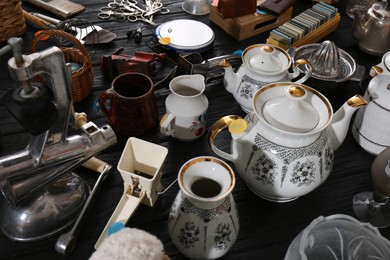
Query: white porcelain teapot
[(372, 123), (261, 64), (284, 149)]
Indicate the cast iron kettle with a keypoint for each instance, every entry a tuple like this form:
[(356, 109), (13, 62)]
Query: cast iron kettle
[(372, 29)]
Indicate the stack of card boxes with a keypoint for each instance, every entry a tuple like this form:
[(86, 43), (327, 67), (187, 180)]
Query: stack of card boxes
[(308, 27)]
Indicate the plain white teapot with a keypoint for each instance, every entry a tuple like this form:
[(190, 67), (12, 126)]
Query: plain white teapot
[(261, 64), (284, 149), (372, 123)]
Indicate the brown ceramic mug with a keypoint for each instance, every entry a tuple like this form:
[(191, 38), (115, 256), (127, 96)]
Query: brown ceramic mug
[(133, 109)]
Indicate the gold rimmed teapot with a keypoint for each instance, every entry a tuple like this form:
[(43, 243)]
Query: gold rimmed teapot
[(284, 149), (261, 64)]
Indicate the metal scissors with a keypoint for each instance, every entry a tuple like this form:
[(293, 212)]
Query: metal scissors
[(155, 7), (118, 14), (121, 3), (135, 18)]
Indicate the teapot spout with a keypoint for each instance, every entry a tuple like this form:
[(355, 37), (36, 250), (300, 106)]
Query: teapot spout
[(230, 78), (338, 128)]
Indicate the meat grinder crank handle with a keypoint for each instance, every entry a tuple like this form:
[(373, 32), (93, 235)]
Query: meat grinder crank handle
[(67, 241)]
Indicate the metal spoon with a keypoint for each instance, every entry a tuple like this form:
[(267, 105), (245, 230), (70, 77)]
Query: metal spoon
[(67, 241)]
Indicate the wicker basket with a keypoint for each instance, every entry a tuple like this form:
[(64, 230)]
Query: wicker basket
[(82, 79), (11, 19)]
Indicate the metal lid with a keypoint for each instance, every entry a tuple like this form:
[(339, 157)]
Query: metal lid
[(291, 112), (381, 10)]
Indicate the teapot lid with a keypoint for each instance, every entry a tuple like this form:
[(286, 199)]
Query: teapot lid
[(291, 112), (266, 58), (381, 9)]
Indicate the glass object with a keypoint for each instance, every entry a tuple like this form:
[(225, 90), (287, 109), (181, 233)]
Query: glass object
[(338, 237), (373, 207)]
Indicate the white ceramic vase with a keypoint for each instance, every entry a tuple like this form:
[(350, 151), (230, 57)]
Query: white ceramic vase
[(203, 222)]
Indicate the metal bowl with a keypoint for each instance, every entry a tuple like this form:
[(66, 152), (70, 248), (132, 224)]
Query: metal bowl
[(48, 214)]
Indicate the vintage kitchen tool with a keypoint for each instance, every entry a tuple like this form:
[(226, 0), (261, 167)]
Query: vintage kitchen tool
[(373, 206), (67, 241), (331, 65), (285, 147), (193, 63), (338, 236), (371, 126), (261, 64), (83, 31), (142, 62), (183, 35), (141, 174), (371, 29), (43, 196)]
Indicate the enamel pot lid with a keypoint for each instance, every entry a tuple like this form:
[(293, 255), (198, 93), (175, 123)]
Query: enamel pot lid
[(185, 35), (292, 107), (266, 59)]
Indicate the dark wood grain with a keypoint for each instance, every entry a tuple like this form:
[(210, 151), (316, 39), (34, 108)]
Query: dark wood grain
[(267, 228)]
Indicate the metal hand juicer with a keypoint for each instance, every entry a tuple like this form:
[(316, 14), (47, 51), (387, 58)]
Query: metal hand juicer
[(42, 194)]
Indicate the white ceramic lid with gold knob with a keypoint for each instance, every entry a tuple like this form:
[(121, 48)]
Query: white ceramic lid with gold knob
[(291, 112), (266, 58), (292, 107)]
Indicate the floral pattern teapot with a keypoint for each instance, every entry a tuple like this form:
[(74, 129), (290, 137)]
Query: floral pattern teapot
[(284, 149), (261, 64)]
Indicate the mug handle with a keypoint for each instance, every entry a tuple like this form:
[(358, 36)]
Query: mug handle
[(296, 72), (166, 124), (108, 94), (237, 127)]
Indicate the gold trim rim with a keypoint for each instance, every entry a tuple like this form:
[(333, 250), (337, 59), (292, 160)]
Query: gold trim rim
[(213, 159)]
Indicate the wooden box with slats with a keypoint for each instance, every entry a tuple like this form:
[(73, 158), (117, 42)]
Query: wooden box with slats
[(246, 26)]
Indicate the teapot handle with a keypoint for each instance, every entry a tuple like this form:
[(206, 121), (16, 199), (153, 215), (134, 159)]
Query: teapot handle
[(296, 71), (221, 124)]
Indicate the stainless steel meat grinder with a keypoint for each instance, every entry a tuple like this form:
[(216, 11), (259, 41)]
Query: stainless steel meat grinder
[(42, 194)]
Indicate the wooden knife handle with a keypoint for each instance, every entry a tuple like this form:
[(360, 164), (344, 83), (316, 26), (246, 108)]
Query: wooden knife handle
[(36, 21)]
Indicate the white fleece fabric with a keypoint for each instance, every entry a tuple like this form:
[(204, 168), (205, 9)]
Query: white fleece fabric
[(130, 243)]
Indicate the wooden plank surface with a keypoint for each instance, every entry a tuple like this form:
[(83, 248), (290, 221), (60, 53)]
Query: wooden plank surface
[(266, 228)]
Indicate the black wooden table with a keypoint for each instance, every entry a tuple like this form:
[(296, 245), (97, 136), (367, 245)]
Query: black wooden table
[(267, 228)]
